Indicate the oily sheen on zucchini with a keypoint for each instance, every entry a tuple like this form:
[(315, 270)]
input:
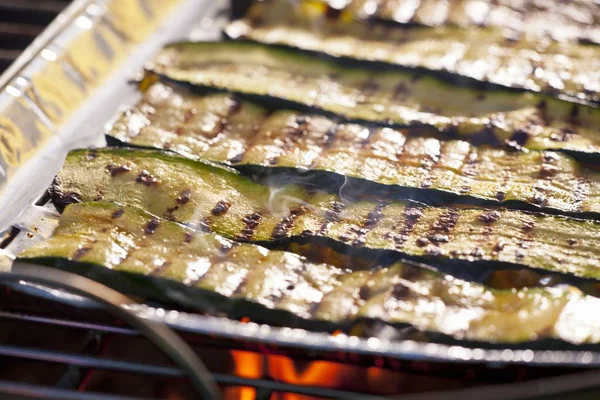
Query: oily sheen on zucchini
[(226, 129), (482, 53), (141, 254), (388, 97), (219, 199), (577, 20)]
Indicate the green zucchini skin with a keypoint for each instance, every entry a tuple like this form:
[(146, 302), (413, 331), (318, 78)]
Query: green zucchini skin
[(226, 129), (140, 254), (207, 196), (457, 50), (386, 96), (537, 19)]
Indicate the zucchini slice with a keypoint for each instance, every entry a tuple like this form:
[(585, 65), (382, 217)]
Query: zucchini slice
[(227, 129), (217, 198), (385, 96), (486, 54), (571, 21), (140, 254)]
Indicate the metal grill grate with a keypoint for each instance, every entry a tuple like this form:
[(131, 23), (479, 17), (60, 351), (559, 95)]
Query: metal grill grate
[(21, 21)]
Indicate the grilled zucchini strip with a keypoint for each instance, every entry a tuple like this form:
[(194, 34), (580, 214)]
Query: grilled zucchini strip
[(136, 252), (571, 21), (481, 53), (226, 129), (219, 199), (388, 97)]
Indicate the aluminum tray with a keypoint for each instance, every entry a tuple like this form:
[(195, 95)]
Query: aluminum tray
[(71, 82)]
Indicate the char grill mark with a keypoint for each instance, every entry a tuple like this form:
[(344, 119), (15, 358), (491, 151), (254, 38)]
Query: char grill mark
[(234, 108), (518, 139), (528, 229), (332, 215), (328, 139), (251, 222), (581, 192), (430, 164), (401, 91), (489, 217), (146, 179), (221, 208), (438, 232), (370, 222), (116, 170), (281, 229), (184, 197), (117, 213), (162, 269), (410, 218), (151, 226), (251, 139), (81, 251), (367, 89), (293, 133), (60, 198), (547, 167), (469, 168)]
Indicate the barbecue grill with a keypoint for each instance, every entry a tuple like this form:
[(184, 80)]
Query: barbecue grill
[(84, 349)]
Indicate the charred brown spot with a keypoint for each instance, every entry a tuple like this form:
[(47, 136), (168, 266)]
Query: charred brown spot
[(499, 246), (438, 238), (220, 208), (548, 171), (164, 267), (370, 222), (528, 226), (574, 115), (518, 139), (184, 197), (410, 273), (146, 179), (81, 251), (400, 291), (563, 135), (538, 199), (188, 237), (411, 217), (465, 189), (169, 213), (581, 192), (151, 226), (500, 195), (282, 228), (364, 292), (332, 215), (480, 96), (422, 242), (117, 169), (189, 114), (477, 252), (91, 155), (489, 217), (368, 88), (446, 221), (250, 221), (333, 12), (118, 213), (433, 251), (400, 91), (572, 242)]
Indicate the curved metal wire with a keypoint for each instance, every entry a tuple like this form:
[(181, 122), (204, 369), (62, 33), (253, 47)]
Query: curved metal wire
[(160, 335)]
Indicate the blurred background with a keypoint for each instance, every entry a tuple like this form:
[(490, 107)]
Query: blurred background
[(21, 21)]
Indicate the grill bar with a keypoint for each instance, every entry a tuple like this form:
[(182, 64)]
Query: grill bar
[(21, 21), (68, 323), (31, 391)]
